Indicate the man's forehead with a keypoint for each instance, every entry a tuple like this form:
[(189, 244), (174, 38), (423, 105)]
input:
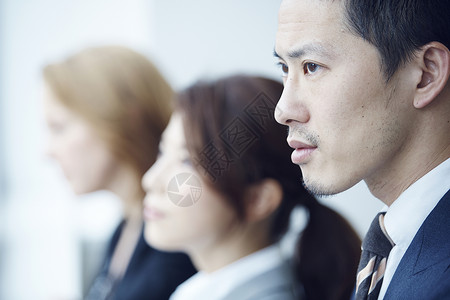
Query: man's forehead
[(298, 11), (312, 25), (310, 48)]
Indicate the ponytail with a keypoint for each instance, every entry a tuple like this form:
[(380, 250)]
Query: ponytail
[(327, 254)]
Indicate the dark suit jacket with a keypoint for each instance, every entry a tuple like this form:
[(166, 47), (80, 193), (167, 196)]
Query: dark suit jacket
[(151, 274), (424, 271)]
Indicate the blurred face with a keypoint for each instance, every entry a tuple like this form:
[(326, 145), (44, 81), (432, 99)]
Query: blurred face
[(181, 212), (86, 161), (346, 123)]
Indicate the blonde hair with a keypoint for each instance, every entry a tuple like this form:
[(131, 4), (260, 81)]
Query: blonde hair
[(121, 94)]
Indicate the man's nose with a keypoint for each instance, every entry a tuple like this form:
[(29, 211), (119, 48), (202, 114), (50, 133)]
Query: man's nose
[(290, 107)]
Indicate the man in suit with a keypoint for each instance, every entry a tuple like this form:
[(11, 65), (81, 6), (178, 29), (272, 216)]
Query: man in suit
[(367, 97)]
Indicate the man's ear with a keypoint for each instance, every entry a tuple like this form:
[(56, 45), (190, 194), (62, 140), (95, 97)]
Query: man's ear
[(262, 199), (434, 62)]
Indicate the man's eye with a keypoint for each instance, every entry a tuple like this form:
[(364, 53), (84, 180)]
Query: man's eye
[(284, 69), (310, 68)]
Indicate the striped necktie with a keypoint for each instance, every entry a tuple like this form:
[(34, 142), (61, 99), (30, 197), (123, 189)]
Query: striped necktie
[(375, 250)]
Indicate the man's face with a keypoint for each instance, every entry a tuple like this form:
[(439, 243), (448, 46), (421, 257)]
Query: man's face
[(346, 123)]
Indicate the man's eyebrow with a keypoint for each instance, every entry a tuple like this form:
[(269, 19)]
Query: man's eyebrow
[(275, 53), (307, 49)]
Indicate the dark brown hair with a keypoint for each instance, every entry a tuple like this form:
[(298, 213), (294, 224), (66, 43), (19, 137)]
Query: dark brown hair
[(235, 142), (399, 28)]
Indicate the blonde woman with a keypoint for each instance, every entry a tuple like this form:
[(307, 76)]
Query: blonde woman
[(106, 109)]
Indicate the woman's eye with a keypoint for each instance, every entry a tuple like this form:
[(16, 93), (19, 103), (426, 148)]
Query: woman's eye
[(57, 128), (187, 161), (159, 154), (310, 68)]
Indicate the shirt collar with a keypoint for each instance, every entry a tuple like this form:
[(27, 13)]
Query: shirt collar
[(405, 216), (217, 284)]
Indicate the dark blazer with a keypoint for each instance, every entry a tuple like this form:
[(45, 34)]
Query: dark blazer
[(151, 274), (424, 271)]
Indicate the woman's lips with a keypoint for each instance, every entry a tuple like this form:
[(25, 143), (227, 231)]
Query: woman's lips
[(301, 152), (152, 214)]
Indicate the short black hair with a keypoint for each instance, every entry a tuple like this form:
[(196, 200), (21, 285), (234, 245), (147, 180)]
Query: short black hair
[(399, 28)]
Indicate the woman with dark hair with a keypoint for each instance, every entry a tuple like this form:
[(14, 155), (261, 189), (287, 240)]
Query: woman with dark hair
[(223, 189)]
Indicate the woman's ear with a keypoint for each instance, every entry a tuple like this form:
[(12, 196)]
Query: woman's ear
[(262, 199), (434, 62)]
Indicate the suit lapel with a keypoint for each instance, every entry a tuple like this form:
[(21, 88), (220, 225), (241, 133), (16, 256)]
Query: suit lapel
[(421, 263), (434, 239)]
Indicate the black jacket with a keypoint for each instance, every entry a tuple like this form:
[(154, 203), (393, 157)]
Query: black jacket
[(151, 274)]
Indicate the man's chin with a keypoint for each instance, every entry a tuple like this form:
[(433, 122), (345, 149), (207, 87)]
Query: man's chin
[(319, 189)]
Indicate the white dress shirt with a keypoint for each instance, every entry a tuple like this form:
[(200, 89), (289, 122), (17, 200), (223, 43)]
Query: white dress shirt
[(216, 285), (405, 216)]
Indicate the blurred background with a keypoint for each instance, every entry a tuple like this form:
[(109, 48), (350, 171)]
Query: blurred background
[(50, 240)]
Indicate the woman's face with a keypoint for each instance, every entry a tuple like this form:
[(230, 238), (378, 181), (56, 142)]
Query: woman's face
[(85, 159), (181, 212)]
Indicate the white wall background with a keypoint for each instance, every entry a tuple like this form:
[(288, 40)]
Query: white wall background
[(44, 223), (41, 222)]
